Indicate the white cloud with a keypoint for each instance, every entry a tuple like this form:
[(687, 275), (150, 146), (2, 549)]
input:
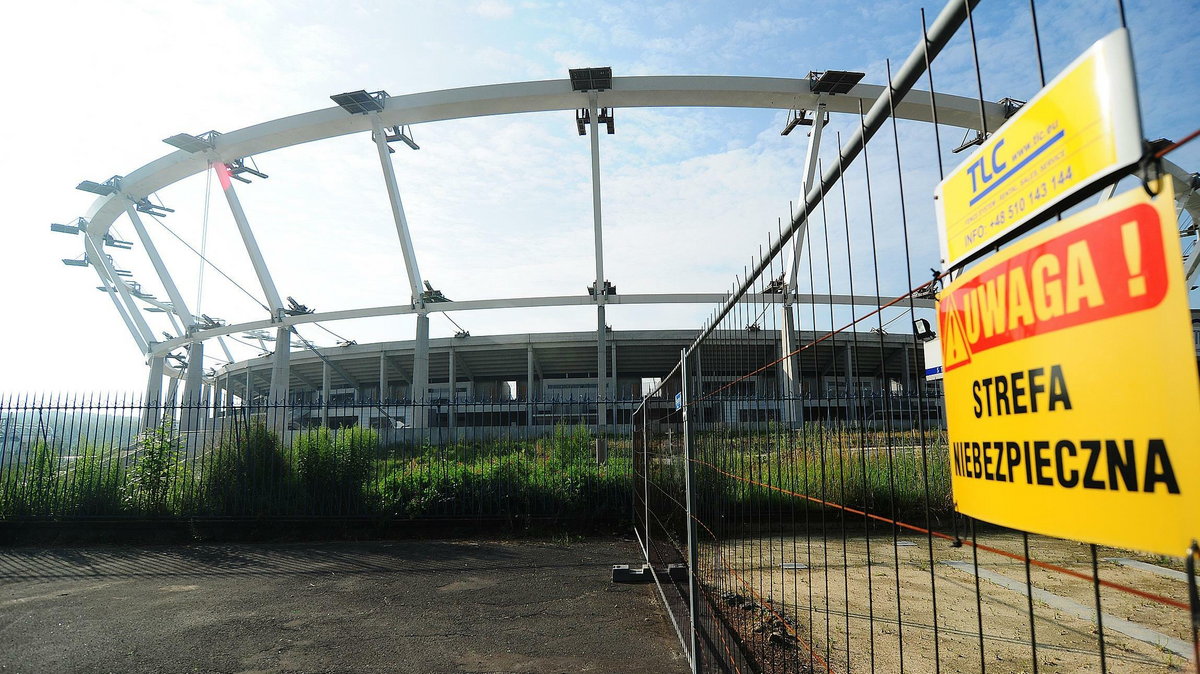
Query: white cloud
[(493, 9), (499, 206)]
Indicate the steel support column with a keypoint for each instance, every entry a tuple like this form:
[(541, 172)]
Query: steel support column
[(172, 397), (600, 290), (907, 381), (178, 305), (218, 395), (421, 352), (190, 407), (152, 412), (612, 372), (811, 159), (452, 357), (225, 349), (251, 244), (393, 189), (420, 378), (283, 340), (529, 386), (851, 385), (529, 376), (791, 380), (206, 400), (281, 367), (325, 394), (193, 383), (790, 365), (383, 378), (112, 293), (131, 313), (689, 492)]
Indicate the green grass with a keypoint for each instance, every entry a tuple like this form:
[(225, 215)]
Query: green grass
[(248, 472), (781, 470)]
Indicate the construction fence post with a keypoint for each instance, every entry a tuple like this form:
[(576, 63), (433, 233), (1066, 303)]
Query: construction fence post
[(689, 488)]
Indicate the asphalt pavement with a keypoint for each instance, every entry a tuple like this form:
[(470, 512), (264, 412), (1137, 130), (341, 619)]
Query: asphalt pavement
[(384, 606)]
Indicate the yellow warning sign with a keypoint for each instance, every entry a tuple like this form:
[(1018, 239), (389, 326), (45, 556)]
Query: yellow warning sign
[(1083, 125), (1071, 386)]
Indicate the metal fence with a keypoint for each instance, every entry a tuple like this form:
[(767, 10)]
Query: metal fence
[(832, 545), (107, 457), (795, 506)]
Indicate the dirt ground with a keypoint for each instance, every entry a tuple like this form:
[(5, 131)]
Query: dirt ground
[(410, 606), (839, 594)]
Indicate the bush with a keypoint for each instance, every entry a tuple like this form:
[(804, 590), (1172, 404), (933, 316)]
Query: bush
[(150, 479), (30, 487), (571, 446), (96, 486), (333, 470), (246, 475), (515, 486)]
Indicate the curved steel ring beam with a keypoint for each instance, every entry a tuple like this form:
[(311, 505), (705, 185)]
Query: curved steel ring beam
[(522, 97), (162, 348)]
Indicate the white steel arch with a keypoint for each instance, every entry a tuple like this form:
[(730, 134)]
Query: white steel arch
[(498, 99), (524, 97)]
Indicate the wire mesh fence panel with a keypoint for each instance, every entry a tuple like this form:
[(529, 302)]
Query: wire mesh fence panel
[(795, 501)]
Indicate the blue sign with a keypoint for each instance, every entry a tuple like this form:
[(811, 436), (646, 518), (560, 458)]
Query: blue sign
[(678, 401)]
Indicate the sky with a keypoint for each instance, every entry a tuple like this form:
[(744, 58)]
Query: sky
[(501, 206)]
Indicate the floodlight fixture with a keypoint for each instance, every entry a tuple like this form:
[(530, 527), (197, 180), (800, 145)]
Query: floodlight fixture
[(79, 226), (800, 118), (207, 322), (431, 295), (969, 141), (238, 166), (294, 308), (347, 342), (144, 205), (604, 116), (104, 189), (76, 262), (112, 242), (778, 285), (753, 327), (1011, 106), (833, 81), (922, 330), (462, 334), (406, 138), (360, 102), (398, 133), (189, 143), (591, 79), (608, 289)]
